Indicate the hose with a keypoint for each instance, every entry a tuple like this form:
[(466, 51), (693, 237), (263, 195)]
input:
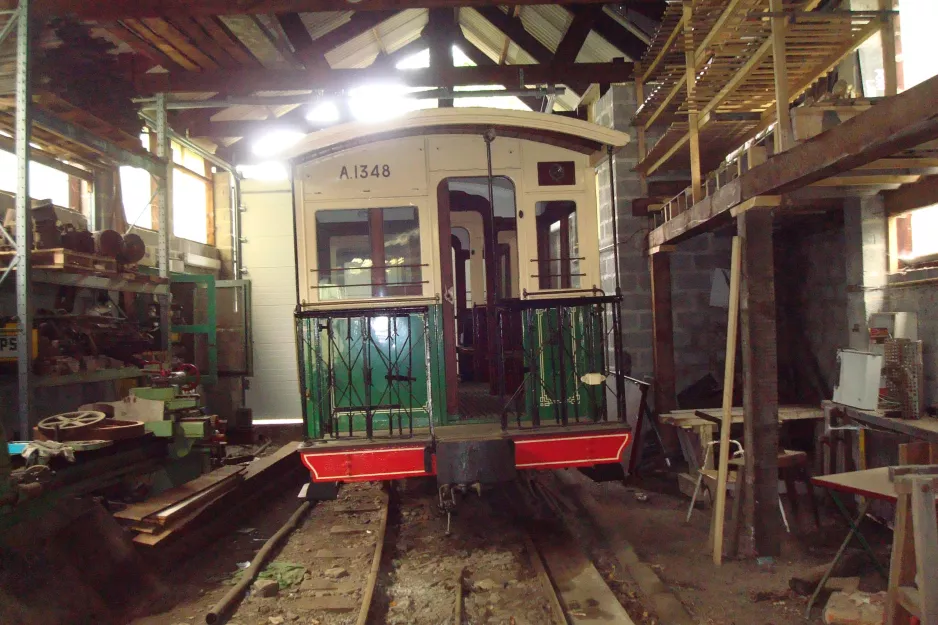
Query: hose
[(257, 564)]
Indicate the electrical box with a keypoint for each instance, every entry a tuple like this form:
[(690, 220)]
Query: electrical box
[(859, 379)]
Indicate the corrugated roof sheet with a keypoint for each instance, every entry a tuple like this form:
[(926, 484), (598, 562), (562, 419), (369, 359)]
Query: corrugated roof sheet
[(319, 24), (388, 36)]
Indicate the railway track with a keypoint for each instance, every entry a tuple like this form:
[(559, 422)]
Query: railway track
[(382, 556)]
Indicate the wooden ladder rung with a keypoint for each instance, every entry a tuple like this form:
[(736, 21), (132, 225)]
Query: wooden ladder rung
[(908, 599)]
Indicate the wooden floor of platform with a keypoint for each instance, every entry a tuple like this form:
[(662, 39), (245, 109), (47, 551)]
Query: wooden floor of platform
[(462, 432)]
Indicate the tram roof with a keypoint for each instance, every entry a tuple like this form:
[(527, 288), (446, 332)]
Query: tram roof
[(567, 132)]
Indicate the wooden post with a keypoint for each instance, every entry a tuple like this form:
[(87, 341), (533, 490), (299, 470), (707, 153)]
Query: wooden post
[(888, 34), (640, 129), (783, 131), (662, 333), (729, 371), (693, 116), (762, 529)]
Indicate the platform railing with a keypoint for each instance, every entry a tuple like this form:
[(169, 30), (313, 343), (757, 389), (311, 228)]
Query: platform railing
[(573, 369), (365, 370)]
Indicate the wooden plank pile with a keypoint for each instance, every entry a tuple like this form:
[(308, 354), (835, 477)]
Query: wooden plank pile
[(173, 521), (159, 517)]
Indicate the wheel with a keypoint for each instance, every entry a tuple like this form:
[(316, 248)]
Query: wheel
[(71, 421)]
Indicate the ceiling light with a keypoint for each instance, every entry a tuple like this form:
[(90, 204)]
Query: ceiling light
[(375, 103), (276, 142), (325, 112)]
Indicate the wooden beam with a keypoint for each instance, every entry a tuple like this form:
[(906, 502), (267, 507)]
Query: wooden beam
[(142, 46), (908, 198), (481, 59), (617, 35), (360, 23), (584, 18), (514, 30), (693, 115), (143, 32), (783, 130), (182, 43), (278, 39), (662, 323), (888, 34), (249, 81), (229, 42), (439, 34), (205, 42), (762, 522), (299, 37), (118, 9), (904, 121)]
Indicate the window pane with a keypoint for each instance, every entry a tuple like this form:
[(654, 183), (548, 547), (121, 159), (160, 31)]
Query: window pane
[(136, 193), (190, 206), (401, 251), (558, 264), (368, 253), (45, 183), (924, 231)]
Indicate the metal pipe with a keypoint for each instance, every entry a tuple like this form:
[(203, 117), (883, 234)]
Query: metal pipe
[(617, 305), (24, 229), (187, 143), (494, 297), (164, 220), (308, 98), (257, 564)]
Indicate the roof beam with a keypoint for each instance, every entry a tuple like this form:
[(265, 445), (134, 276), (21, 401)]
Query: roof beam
[(299, 37), (249, 81), (612, 31), (110, 10), (514, 30), (360, 23), (194, 31), (278, 39), (440, 31), (481, 59), (584, 18)]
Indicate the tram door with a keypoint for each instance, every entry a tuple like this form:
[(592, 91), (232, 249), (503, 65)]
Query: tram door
[(479, 278)]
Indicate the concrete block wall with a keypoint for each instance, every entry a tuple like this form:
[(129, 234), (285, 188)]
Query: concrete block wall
[(615, 109), (700, 330)]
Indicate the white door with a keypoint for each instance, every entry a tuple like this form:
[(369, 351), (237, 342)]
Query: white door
[(267, 226)]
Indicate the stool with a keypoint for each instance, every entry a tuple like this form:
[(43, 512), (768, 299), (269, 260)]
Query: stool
[(913, 585), (793, 467)]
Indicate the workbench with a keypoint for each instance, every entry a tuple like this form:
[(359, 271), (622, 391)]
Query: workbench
[(691, 421)]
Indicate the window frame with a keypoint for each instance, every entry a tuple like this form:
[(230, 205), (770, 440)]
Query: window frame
[(379, 272)]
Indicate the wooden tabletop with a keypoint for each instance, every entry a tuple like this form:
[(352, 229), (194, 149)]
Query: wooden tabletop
[(925, 429), (871, 483), (689, 418)]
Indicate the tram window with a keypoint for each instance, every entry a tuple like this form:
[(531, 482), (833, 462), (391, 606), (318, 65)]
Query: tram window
[(366, 253), (558, 253)]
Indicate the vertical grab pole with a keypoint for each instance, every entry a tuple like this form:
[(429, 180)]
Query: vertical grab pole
[(165, 221), (494, 298), (617, 304)]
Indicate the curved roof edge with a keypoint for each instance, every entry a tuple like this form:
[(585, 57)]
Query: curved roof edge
[(573, 133)]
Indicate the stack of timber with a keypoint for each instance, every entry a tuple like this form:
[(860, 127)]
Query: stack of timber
[(178, 520), (159, 517)]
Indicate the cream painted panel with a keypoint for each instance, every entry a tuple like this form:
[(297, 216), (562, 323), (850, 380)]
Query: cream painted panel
[(534, 153), (268, 257), (394, 168), (472, 222), (465, 152)]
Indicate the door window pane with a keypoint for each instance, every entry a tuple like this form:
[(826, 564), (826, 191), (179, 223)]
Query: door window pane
[(558, 251), (366, 253)]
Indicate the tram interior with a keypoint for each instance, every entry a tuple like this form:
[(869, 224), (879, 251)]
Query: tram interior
[(489, 369)]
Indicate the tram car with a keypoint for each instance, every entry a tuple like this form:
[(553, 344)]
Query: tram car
[(450, 319)]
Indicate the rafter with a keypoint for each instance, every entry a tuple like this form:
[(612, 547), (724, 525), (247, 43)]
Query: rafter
[(249, 81), (204, 41), (584, 18), (273, 33), (299, 37), (360, 24), (612, 31), (514, 30), (120, 9)]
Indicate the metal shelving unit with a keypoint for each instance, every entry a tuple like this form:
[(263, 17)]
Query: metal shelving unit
[(21, 20)]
